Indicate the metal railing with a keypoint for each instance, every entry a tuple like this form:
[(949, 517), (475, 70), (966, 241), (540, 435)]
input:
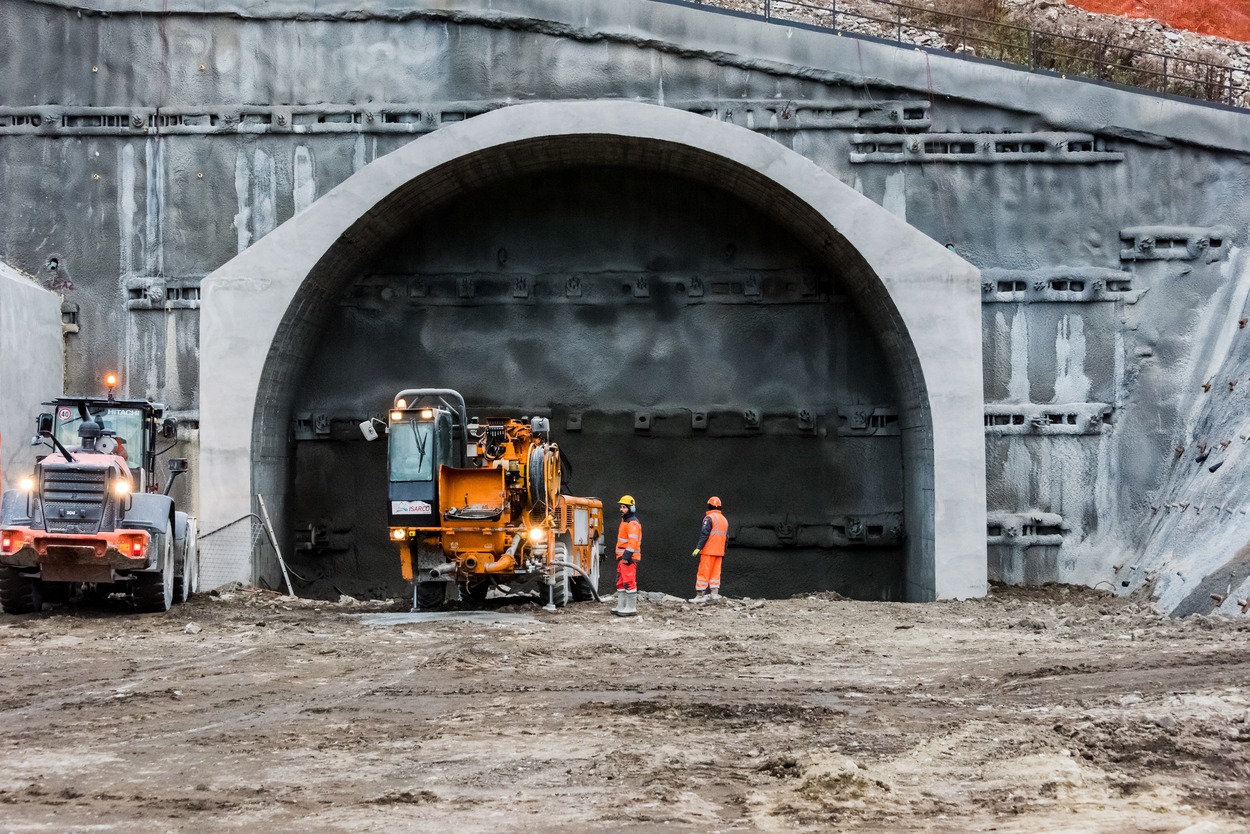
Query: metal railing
[(1097, 59)]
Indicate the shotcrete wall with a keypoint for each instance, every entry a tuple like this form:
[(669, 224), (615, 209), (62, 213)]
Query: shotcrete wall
[(155, 143), (31, 367), (526, 298)]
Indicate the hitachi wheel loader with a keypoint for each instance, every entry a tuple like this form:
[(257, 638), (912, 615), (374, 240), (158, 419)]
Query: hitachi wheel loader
[(475, 504), (92, 516)]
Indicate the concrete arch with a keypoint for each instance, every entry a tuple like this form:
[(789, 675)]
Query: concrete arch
[(262, 311)]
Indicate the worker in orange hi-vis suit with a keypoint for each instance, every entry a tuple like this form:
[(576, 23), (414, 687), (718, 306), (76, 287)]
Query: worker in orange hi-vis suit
[(710, 551), (628, 554)]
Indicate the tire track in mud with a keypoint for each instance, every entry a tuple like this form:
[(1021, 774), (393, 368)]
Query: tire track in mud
[(41, 704), (791, 717)]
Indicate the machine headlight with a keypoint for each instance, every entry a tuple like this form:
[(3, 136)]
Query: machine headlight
[(427, 414), (401, 403), (396, 416), (398, 534), (538, 534), (26, 484), (121, 487)]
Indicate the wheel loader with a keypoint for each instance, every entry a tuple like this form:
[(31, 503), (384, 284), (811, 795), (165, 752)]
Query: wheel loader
[(475, 504), (92, 517)]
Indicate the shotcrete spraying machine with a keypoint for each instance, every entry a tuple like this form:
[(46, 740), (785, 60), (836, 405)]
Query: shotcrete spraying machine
[(475, 504)]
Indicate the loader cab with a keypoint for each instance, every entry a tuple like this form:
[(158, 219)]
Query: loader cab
[(421, 440), (134, 425)]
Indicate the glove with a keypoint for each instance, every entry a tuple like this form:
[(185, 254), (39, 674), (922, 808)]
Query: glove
[(696, 553), (627, 559)]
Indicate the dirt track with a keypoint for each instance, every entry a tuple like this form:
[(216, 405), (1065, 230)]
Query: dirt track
[(1054, 709)]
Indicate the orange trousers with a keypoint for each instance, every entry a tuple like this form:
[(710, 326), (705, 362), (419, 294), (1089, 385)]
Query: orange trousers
[(709, 572), (626, 576)]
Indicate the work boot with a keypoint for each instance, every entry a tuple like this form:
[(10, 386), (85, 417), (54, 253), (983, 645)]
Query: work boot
[(627, 605), (713, 595), (699, 596)]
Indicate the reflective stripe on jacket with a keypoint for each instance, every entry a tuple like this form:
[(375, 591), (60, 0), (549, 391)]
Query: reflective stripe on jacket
[(629, 538), (714, 533)]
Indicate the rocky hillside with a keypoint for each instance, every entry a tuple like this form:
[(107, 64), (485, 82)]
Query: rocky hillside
[(1222, 18), (1104, 31)]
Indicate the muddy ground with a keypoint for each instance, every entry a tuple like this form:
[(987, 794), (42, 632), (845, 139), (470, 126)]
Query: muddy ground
[(1055, 709)]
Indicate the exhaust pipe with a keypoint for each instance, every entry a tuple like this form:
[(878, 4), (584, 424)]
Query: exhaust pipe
[(443, 571)]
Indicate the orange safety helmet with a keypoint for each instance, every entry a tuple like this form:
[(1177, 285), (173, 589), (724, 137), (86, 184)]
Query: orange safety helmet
[(714, 502)]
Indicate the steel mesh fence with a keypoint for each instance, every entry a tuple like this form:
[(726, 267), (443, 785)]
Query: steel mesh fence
[(226, 554)]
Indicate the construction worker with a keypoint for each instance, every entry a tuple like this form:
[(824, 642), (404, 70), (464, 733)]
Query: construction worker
[(628, 554), (709, 551), (121, 451)]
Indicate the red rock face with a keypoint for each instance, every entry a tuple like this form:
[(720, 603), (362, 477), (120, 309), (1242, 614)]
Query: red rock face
[(1223, 18)]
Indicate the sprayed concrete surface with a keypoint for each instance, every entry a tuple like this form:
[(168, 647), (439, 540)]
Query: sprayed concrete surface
[(150, 143), (1053, 709), (31, 366)]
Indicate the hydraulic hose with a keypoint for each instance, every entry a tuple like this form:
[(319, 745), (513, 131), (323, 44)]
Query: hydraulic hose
[(589, 580)]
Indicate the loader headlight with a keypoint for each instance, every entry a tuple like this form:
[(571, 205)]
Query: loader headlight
[(401, 403), (121, 487), (538, 534), (427, 414), (397, 533), (26, 484), (396, 416)]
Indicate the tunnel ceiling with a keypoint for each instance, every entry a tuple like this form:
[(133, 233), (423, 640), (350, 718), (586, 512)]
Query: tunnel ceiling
[(387, 222)]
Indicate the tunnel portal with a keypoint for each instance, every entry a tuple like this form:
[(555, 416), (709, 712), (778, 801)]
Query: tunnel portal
[(698, 308), (683, 344)]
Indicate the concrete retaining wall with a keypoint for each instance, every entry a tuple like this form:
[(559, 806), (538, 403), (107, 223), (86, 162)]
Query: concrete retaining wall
[(31, 366)]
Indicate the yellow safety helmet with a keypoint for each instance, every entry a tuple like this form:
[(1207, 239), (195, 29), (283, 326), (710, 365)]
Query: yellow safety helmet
[(628, 501)]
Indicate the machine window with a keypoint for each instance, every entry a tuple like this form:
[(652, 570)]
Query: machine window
[(126, 422), (412, 451)]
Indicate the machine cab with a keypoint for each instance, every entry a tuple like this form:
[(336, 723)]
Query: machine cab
[(421, 438), (131, 425), (420, 442)]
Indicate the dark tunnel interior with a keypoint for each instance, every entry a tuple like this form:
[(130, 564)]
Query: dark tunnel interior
[(683, 343)]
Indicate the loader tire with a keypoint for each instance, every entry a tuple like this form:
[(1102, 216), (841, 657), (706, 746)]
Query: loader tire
[(431, 594), (582, 590), (19, 594), (585, 588), (562, 591), (154, 592), (187, 553)]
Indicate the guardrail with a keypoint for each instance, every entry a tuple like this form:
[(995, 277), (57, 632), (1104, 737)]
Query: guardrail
[(1104, 60)]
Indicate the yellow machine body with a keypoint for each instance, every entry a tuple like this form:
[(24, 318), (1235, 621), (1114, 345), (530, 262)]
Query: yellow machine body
[(499, 519)]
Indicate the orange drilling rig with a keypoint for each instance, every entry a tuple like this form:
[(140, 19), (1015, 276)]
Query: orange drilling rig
[(475, 504), (92, 515)]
